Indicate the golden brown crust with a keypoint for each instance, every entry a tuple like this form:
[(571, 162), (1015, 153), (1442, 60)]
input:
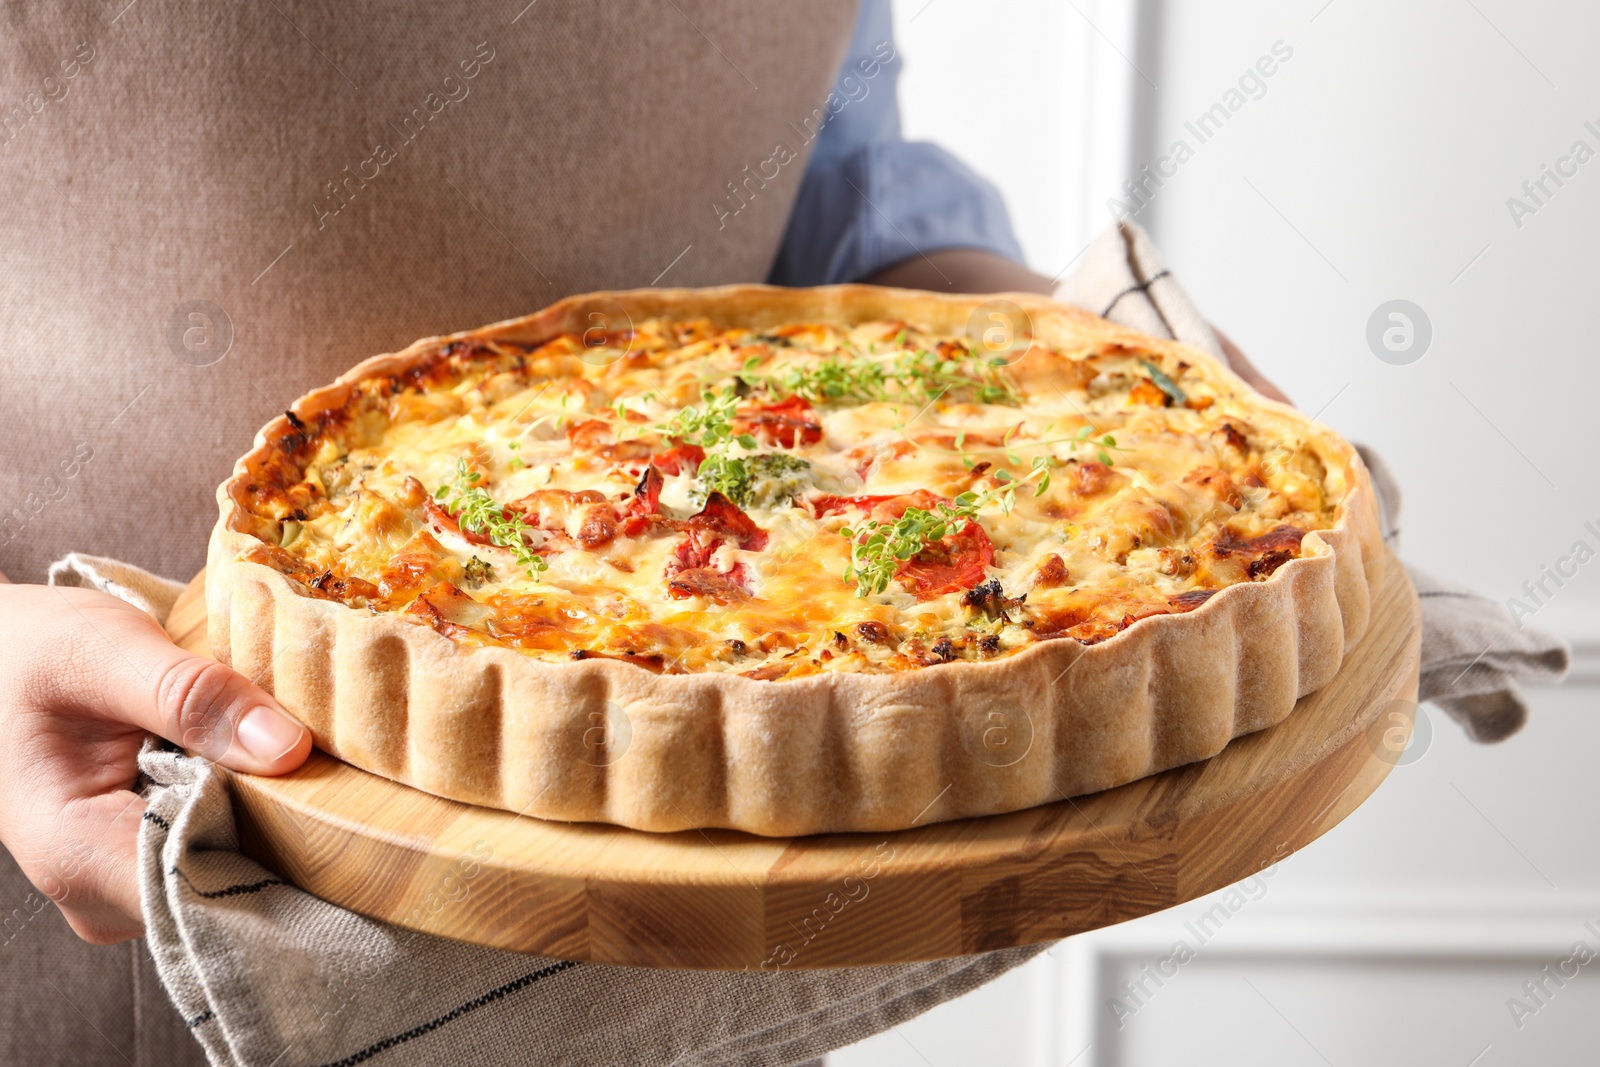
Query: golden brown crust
[(601, 740)]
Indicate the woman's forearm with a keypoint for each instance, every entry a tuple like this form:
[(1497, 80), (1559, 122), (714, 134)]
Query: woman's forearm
[(962, 270)]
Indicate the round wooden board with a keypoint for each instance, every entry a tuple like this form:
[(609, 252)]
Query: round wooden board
[(724, 899)]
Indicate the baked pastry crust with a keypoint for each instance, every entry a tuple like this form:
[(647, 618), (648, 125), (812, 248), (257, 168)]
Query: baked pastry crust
[(603, 740)]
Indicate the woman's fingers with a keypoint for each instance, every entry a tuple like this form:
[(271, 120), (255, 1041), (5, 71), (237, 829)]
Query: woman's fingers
[(90, 868), (218, 713), (131, 672), (83, 681)]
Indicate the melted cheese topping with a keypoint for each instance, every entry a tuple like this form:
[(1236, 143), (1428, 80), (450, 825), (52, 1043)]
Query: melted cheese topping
[(1164, 486)]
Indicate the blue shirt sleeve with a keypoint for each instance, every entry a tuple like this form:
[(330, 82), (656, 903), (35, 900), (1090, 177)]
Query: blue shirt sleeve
[(870, 198)]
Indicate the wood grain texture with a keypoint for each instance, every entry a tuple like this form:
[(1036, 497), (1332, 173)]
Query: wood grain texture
[(724, 899)]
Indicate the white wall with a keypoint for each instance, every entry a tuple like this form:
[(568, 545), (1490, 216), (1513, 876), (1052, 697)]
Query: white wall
[(1005, 85), (1391, 142), (1376, 165)]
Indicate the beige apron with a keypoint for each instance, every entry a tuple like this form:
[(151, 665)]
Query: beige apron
[(207, 209)]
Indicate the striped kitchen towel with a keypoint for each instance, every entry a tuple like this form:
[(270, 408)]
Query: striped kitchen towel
[(270, 976)]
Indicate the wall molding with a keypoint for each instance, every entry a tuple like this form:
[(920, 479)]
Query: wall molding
[(1416, 928)]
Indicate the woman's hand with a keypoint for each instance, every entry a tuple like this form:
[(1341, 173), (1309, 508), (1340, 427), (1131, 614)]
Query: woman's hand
[(84, 677)]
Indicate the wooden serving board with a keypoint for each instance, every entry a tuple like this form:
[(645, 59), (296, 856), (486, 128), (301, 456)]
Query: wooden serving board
[(724, 899)]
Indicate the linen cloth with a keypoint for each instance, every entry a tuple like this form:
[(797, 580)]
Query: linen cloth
[(267, 975)]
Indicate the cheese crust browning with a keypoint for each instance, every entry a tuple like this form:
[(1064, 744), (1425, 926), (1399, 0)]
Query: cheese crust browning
[(589, 453), (828, 489)]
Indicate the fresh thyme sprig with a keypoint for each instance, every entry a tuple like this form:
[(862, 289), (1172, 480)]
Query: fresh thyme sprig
[(477, 512), (1085, 435), (711, 427), (1103, 445), (827, 382), (926, 376), (878, 549), (914, 376), (710, 424), (725, 474)]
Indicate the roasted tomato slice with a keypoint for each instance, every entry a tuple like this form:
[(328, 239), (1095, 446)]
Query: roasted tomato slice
[(719, 522), (787, 424), (721, 517), (682, 459), (949, 565), (829, 504), (703, 581), (600, 439), (446, 520), (692, 553), (689, 573), (644, 505), (583, 514), (883, 508)]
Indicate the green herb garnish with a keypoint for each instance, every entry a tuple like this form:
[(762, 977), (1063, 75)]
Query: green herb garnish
[(927, 376), (920, 376), (878, 549), (1085, 434), (1165, 384), (832, 380), (721, 473), (477, 512), (1009, 446), (709, 425), (742, 479)]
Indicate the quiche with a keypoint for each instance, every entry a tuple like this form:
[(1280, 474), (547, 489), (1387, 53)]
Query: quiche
[(789, 561)]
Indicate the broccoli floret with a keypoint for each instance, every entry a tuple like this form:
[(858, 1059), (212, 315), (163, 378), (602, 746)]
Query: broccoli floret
[(777, 478), (763, 481), (477, 572), (725, 475)]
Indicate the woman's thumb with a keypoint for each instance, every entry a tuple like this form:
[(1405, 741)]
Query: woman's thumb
[(216, 712)]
